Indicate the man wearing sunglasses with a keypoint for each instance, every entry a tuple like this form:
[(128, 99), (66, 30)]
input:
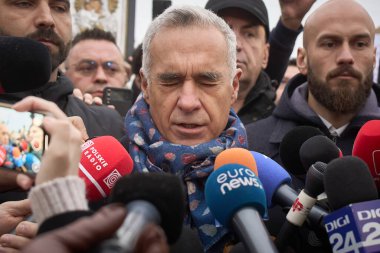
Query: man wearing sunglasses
[(95, 62)]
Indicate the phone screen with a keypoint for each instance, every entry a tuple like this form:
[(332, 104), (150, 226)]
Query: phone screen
[(22, 140)]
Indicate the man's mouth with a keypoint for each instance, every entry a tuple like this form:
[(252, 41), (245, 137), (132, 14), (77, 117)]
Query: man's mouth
[(189, 126)]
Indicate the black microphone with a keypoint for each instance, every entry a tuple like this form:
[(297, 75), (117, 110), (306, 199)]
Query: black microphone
[(150, 198), (351, 192), (290, 148), (348, 180), (302, 205), (318, 148), (25, 64)]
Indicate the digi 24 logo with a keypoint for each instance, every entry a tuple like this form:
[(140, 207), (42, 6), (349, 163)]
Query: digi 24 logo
[(355, 228)]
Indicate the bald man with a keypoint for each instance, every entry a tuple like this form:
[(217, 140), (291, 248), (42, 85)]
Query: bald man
[(334, 91)]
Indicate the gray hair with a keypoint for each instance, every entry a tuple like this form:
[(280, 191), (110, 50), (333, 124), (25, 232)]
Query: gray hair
[(186, 16)]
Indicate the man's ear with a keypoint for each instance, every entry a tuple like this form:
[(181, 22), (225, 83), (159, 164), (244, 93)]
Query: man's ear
[(302, 60), (265, 59), (235, 85), (144, 86)]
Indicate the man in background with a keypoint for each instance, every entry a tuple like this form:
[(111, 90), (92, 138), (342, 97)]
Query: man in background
[(95, 62), (262, 56)]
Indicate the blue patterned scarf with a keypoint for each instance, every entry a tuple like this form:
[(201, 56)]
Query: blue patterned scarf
[(152, 153)]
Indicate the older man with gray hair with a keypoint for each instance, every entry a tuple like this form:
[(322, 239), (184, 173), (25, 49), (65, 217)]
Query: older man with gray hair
[(184, 117)]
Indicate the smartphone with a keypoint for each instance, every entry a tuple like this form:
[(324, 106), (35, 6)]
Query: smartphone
[(22, 140), (121, 98)]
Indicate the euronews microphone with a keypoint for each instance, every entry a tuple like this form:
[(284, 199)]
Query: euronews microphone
[(355, 226), (301, 207), (276, 183), (25, 64), (236, 198), (149, 198), (104, 161), (367, 147)]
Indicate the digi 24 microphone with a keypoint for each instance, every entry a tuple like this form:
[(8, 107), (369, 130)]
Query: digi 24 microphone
[(104, 161), (25, 64), (355, 226)]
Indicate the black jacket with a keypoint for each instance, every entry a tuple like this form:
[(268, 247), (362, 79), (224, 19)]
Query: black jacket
[(99, 120), (259, 102)]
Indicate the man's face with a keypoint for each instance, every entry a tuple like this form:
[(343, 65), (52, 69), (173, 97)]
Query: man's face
[(4, 135), (47, 21), (252, 49), (190, 88), (340, 61), (93, 65)]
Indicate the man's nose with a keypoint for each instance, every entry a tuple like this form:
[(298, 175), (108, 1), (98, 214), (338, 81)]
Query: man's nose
[(44, 17), (188, 100), (100, 75), (345, 55)]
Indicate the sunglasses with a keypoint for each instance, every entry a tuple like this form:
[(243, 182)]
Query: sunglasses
[(89, 67)]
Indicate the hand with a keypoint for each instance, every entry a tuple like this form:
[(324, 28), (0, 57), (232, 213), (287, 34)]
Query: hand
[(293, 11), (80, 235), (10, 180), (25, 232), (12, 213), (87, 98), (79, 124), (63, 154)]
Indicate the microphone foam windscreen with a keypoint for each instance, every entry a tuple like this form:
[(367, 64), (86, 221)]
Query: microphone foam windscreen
[(104, 161), (271, 175), (238, 156), (318, 148), (347, 181), (314, 179), (367, 147), (25, 64), (162, 190), (232, 187), (290, 147)]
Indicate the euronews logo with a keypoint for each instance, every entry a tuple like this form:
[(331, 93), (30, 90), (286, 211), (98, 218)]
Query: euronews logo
[(236, 178)]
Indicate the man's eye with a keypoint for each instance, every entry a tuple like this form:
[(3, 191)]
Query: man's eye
[(62, 9), (23, 4), (329, 44), (361, 44)]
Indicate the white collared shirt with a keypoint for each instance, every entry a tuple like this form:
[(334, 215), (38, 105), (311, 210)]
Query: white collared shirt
[(333, 131)]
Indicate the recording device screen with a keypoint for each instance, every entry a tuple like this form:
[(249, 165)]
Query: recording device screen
[(22, 140)]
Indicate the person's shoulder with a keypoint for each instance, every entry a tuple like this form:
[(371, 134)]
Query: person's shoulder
[(260, 126)]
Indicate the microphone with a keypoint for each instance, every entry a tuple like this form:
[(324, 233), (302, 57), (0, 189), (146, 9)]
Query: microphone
[(367, 147), (276, 182), (236, 198), (25, 64), (355, 226), (318, 148), (290, 148), (300, 209), (104, 161), (236, 155), (149, 197)]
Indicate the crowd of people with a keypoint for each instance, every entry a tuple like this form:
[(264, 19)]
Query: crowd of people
[(205, 81)]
